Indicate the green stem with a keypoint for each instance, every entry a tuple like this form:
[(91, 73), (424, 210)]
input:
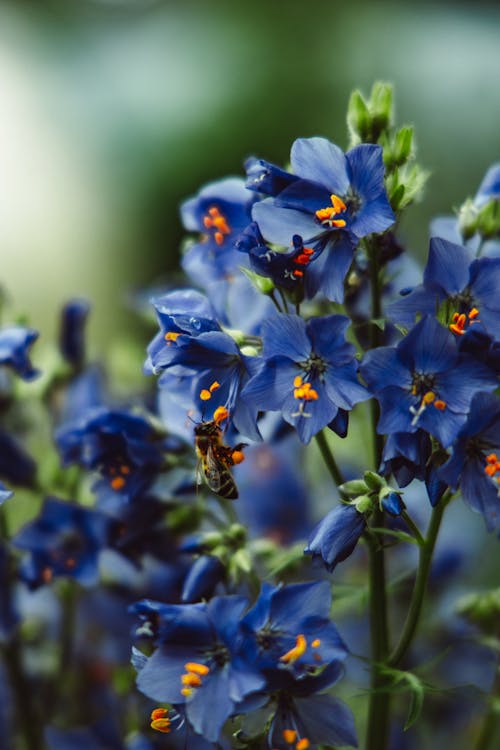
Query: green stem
[(491, 722), (413, 527), (378, 710), (421, 581), (377, 732), (328, 458)]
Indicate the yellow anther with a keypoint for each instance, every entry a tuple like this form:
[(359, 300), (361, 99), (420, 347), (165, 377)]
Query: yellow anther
[(490, 470), (118, 483), (214, 386), (158, 713), (316, 643), (161, 725), (289, 735), (193, 666), (428, 397), (296, 652), (327, 215), (220, 414), (186, 691), (191, 679), (302, 744), (205, 395), (297, 381), (171, 336), (473, 313), (492, 458)]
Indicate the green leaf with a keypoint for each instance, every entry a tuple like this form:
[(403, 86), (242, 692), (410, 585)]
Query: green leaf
[(403, 536)]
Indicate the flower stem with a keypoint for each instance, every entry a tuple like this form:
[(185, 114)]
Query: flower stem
[(377, 732), (328, 458), (420, 587)]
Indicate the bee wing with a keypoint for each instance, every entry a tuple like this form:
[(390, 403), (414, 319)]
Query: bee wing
[(213, 470)]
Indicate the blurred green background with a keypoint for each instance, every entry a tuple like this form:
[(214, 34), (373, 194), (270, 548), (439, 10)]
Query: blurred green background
[(113, 112)]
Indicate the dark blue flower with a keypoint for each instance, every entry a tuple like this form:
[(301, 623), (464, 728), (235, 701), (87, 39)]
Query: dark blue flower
[(184, 312), (425, 382), (288, 632), (452, 275), (202, 578), (336, 536), (198, 663), (408, 455), (308, 372), (16, 465), (15, 342), (474, 465), (72, 331), (337, 199), (286, 269), (122, 446), (64, 540), (220, 211)]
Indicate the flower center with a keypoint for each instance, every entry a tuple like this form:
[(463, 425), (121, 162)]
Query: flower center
[(217, 222), (423, 387), (332, 216), (303, 392)]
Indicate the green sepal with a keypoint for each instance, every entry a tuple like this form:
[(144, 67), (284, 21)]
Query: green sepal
[(374, 481), (353, 488), (263, 284)]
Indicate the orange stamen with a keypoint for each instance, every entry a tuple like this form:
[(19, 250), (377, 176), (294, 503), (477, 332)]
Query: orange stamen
[(327, 215), (186, 691), (215, 220), (220, 414), (117, 483), (428, 397), (161, 725), (289, 735), (316, 643), (302, 744), (296, 652), (158, 713), (473, 313), (191, 679), (441, 405), (492, 458), (237, 457), (193, 666), (171, 336)]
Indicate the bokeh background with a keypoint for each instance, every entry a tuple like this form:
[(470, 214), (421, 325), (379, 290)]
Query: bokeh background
[(112, 112)]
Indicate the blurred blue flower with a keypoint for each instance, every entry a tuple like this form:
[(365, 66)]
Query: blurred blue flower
[(15, 343), (336, 536)]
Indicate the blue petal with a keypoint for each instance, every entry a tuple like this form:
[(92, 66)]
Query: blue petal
[(428, 348), (382, 367), (278, 225), (420, 301), (327, 272), (211, 705), (447, 266), (286, 336), (320, 161), (327, 720)]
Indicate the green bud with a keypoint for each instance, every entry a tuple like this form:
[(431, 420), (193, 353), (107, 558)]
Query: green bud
[(403, 144), (488, 220), (374, 481), (353, 488), (467, 219), (261, 283), (242, 561), (412, 180), (483, 609), (363, 504), (381, 110), (358, 118), (236, 533)]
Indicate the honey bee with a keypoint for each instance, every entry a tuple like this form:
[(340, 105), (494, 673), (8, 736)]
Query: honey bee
[(215, 457)]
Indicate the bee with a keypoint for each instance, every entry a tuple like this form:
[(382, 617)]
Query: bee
[(215, 457)]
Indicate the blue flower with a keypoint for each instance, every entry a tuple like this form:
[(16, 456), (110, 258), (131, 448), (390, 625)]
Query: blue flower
[(408, 455), (184, 312), (308, 372), (15, 342), (425, 382), (220, 212), (337, 199), (16, 465), (72, 332), (468, 286), (197, 663), (122, 446), (289, 634), (286, 269), (336, 536), (305, 719), (64, 540), (474, 465)]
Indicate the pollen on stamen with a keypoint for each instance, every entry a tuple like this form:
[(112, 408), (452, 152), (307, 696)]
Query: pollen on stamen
[(296, 652), (316, 643), (327, 215), (289, 735), (191, 679), (200, 669), (161, 725), (302, 744), (220, 414), (171, 336), (117, 483), (440, 405)]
